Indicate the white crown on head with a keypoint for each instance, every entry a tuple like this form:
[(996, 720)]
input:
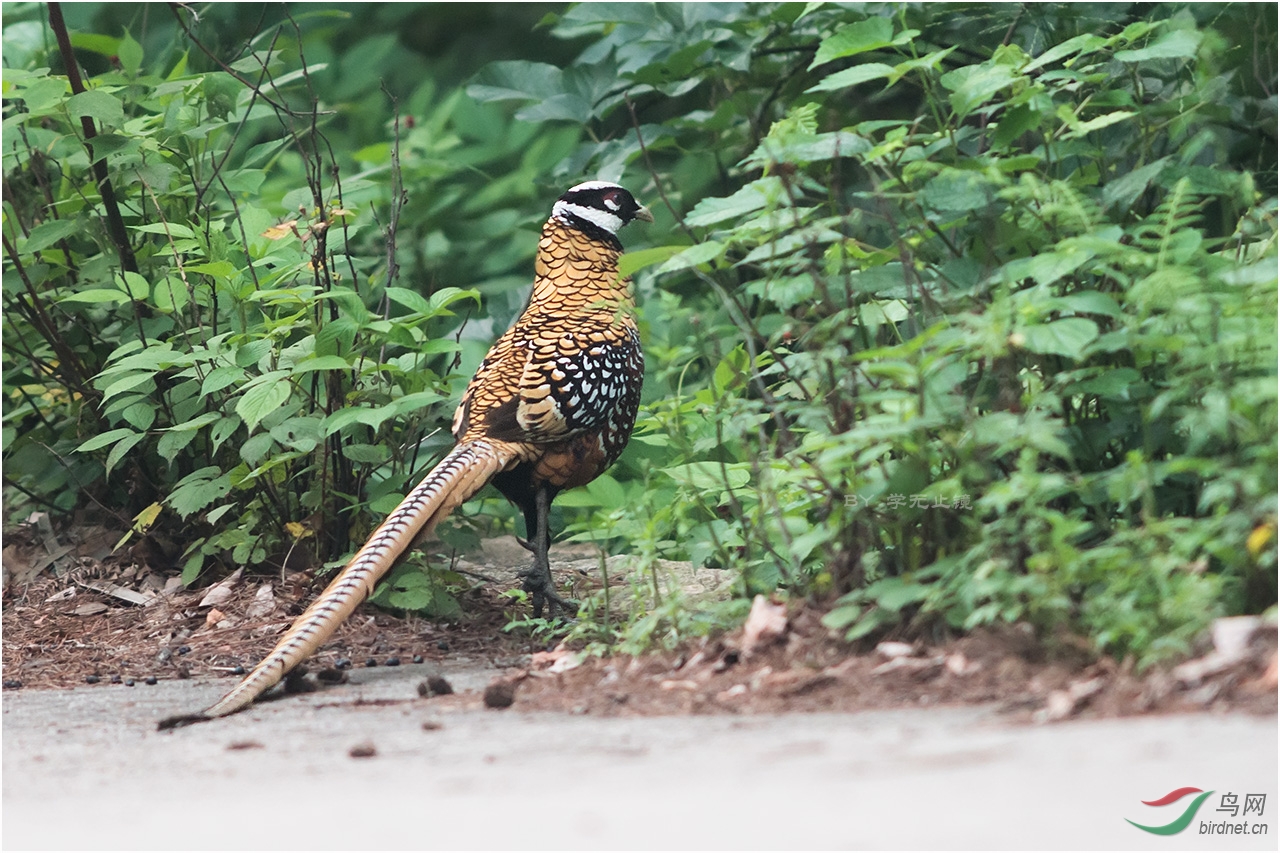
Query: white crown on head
[(594, 185)]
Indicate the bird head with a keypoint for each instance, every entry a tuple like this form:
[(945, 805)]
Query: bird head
[(599, 205)]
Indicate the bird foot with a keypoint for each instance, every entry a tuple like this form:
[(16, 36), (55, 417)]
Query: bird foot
[(538, 583)]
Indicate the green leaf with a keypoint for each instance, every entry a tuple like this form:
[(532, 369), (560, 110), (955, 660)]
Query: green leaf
[(408, 588), (973, 85), (129, 383), (197, 422), (1114, 383), (1179, 44), (1086, 127), (261, 400), (170, 294), (336, 336), (710, 476), (367, 454), (370, 416), (135, 285), (95, 296), (223, 430), (1067, 337), (693, 256), (199, 489), (192, 567), (46, 234), (218, 269), (1126, 188), (257, 447), (896, 593), (516, 81), (608, 492), (855, 38), (853, 76), (103, 439), (446, 296), (323, 362), (302, 434), (140, 415), (1046, 268), (958, 190), (807, 148), (124, 446), (100, 44), (173, 443), (168, 229), (928, 62), (1087, 302), (130, 53), (1087, 43), (406, 404), (43, 94), (221, 377), (1013, 124), (632, 262), (732, 371), (754, 196), (410, 299), (98, 105), (251, 353)]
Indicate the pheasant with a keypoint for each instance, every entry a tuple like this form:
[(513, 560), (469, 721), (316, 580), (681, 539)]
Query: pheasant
[(551, 407)]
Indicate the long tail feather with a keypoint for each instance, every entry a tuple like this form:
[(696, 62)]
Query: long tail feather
[(459, 475)]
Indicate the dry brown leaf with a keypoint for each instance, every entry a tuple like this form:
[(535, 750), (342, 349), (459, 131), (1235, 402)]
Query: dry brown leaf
[(264, 601), (893, 650), (567, 662), (678, 684), (279, 232), (220, 592), (117, 591), (766, 623)]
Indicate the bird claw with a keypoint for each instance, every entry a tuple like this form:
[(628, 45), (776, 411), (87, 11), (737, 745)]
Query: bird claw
[(542, 592)]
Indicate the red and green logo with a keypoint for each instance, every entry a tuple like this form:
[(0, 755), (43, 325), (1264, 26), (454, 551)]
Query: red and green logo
[(1184, 820)]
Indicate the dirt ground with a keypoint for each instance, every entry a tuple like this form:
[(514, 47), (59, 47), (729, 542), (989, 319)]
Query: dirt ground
[(85, 615)]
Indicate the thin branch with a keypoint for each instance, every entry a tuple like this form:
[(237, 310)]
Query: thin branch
[(33, 496), (115, 223), (280, 107), (644, 150)]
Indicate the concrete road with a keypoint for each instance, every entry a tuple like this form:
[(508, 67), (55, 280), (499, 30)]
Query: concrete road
[(86, 769)]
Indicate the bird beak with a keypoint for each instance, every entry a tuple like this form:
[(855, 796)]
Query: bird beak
[(644, 214)]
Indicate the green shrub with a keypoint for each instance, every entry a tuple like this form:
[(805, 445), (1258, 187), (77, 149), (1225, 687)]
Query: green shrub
[(981, 324), (956, 314)]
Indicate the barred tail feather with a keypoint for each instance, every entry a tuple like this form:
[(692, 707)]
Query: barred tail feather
[(459, 475)]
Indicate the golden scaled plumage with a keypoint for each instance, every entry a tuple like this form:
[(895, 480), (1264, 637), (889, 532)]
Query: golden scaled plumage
[(569, 367)]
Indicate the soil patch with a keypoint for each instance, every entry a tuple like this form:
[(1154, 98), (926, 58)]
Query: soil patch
[(808, 670), (83, 626)]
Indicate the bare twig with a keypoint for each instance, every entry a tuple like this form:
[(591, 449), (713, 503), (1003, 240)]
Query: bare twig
[(644, 150)]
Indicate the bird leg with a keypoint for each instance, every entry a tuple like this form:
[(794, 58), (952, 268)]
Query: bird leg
[(537, 578)]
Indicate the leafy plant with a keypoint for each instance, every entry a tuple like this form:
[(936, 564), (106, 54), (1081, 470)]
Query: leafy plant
[(963, 334), (957, 315), (205, 320)]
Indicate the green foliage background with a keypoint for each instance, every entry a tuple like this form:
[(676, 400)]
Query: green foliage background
[(955, 314)]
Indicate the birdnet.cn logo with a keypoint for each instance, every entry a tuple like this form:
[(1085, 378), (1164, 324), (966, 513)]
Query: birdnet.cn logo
[(1231, 817)]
